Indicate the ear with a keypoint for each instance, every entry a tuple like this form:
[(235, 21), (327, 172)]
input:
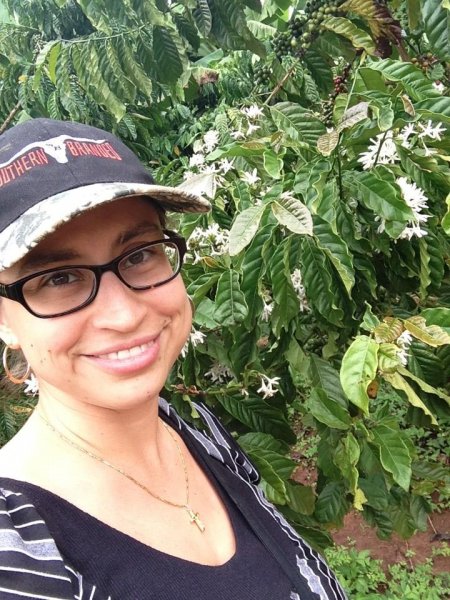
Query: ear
[(6, 333)]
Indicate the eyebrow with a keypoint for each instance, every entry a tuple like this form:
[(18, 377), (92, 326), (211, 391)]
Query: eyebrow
[(42, 260)]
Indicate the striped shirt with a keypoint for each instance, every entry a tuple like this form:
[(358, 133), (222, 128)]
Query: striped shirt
[(32, 566)]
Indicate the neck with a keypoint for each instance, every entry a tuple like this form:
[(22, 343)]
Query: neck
[(126, 436)]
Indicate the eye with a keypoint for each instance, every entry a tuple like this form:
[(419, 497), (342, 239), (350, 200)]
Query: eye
[(60, 278), (143, 256)]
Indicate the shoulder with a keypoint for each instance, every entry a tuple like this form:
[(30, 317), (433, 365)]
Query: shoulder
[(29, 558)]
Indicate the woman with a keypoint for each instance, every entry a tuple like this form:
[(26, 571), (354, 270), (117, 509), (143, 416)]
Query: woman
[(106, 492)]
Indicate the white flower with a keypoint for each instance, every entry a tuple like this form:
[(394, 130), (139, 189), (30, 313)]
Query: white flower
[(253, 112), (439, 86), (267, 310), (237, 135), (197, 159), (31, 385), (252, 128), (296, 278), (225, 165), (250, 178), (211, 139), (269, 386), (405, 134), (382, 151), (212, 241), (188, 175), (432, 132), (415, 198), (404, 342), (219, 373), (212, 168), (196, 338)]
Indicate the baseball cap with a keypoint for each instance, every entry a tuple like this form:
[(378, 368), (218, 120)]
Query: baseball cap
[(51, 170)]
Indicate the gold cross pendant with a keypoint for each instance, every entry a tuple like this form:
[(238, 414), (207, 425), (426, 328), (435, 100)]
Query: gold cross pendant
[(195, 518)]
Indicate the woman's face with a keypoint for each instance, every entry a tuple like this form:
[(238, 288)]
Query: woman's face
[(117, 351)]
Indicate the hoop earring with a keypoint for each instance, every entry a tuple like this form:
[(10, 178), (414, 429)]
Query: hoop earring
[(8, 372)]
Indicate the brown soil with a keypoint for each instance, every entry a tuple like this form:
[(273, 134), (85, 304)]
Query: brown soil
[(415, 550)]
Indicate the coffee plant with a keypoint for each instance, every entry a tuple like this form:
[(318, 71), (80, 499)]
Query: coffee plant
[(319, 130)]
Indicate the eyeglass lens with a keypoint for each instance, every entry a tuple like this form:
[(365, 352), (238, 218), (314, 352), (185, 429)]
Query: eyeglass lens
[(67, 288)]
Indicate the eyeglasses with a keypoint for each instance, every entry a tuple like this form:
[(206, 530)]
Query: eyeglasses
[(61, 291)]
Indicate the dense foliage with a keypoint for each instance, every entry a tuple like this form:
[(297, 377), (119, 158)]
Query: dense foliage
[(320, 132)]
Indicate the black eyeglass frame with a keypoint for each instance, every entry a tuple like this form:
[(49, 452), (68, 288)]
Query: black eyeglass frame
[(14, 291)]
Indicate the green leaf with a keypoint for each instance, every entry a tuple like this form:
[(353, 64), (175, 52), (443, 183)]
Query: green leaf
[(437, 316), (324, 376), (265, 441), (167, 58), (337, 251), (92, 79), (293, 214), (346, 457), (244, 228), (358, 370), (389, 330), (446, 219), (41, 60), (394, 454), (283, 292), (429, 389), (380, 196), (300, 498), (436, 21), (415, 83), (243, 350), (273, 467), (202, 16), (328, 142), (231, 307), (436, 109), (131, 66), (258, 416), (318, 282), (433, 335), (345, 27), (253, 269), (331, 505), (399, 383), (272, 164), (297, 122), (327, 411)]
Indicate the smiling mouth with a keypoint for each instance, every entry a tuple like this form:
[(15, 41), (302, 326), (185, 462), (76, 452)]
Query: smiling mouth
[(128, 353)]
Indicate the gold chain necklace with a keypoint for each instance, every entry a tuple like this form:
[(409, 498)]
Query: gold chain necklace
[(193, 516)]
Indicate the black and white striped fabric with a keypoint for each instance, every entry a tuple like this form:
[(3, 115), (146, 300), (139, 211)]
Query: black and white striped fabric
[(32, 567)]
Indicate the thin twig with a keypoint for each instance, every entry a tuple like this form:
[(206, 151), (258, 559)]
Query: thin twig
[(280, 84), (432, 525), (10, 117)]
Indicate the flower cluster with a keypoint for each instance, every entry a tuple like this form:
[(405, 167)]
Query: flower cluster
[(219, 373), (195, 338), (383, 151), (403, 343), (269, 386), (212, 241), (296, 278), (417, 201)]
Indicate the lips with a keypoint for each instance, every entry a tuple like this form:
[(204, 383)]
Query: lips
[(127, 359)]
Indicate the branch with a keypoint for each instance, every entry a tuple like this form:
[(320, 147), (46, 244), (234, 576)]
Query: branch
[(10, 117)]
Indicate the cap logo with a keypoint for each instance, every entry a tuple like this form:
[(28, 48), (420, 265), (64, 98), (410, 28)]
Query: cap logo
[(60, 148)]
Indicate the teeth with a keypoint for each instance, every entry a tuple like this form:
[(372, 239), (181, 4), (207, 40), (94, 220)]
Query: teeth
[(126, 353)]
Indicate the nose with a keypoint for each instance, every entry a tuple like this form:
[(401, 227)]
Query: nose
[(116, 306)]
